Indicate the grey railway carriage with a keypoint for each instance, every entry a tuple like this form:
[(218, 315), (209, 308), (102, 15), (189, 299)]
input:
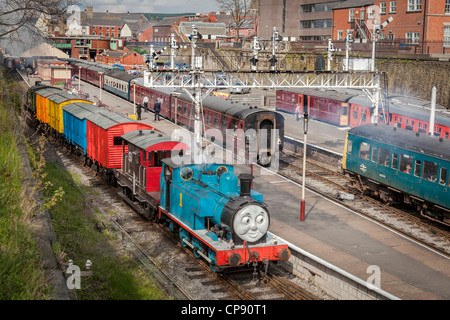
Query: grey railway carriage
[(399, 165)]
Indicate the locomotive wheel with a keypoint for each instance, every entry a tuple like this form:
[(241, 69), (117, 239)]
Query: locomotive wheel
[(212, 256), (197, 247), (184, 235)]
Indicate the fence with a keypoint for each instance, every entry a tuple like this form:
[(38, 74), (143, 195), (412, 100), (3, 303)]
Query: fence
[(385, 45)]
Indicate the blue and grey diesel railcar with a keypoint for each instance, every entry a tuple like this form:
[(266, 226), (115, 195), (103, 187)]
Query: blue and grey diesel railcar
[(401, 166)]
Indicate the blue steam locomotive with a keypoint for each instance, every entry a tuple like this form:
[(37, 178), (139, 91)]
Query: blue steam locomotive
[(222, 222)]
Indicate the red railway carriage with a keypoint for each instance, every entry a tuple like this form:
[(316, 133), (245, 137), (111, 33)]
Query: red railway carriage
[(330, 106), (104, 142)]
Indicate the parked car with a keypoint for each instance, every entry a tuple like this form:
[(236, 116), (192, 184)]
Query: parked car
[(239, 88)]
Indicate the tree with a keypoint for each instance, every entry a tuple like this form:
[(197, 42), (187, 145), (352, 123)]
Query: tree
[(18, 16), (239, 10)]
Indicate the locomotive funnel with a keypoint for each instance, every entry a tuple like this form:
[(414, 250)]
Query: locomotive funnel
[(246, 184)]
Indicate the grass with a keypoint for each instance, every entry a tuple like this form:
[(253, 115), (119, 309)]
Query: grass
[(74, 222), (22, 275)]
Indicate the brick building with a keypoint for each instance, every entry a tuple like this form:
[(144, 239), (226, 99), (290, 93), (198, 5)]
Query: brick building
[(129, 60), (418, 26), (163, 29), (304, 20), (105, 28), (54, 71)]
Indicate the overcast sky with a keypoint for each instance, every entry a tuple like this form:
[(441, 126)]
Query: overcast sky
[(157, 6)]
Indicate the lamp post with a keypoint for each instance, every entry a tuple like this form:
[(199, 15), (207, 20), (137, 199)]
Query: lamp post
[(305, 132), (134, 96), (100, 84)]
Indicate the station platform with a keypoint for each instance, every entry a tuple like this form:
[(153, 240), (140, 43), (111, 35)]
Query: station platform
[(335, 234)]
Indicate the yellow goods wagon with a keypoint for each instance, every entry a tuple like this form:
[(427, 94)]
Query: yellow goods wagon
[(42, 102), (55, 112)]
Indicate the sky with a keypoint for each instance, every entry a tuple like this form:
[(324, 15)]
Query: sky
[(150, 6)]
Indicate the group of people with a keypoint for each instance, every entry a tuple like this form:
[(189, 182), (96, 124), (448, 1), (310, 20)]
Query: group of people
[(156, 108)]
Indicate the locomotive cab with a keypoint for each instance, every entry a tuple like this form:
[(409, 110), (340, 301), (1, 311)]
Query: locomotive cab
[(139, 176)]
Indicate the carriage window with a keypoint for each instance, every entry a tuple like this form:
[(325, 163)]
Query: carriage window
[(117, 141), (364, 150), (417, 168), (384, 157), (443, 176), (437, 131), (363, 117), (405, 163), (217, 120), (224, 122), (344, 111), (234, 123), (208, 118), (349, 146), (394, 160), (429, 171), (374, 154), (355, 114)]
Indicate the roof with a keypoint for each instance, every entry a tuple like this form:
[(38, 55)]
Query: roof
[(62, 97), (120, 75), (103, 22), (81, 110), (117, 16), (151, 140), (407, 106), (46, 92), (352, 4), (44, 50), (405, 139), (203, 24), (106, 119), (168, 21), (341, 95)]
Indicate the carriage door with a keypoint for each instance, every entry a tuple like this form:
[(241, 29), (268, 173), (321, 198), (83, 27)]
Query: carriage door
[(135, 163), (265, 137), (168, 181), (344, 115)]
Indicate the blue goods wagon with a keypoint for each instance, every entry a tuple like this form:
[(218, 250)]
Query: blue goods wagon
[(75, 127)]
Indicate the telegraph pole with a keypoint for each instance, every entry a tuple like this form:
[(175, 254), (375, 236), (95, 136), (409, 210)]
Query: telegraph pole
[(348, 40), (275, 38), (196, 72), (330, 51), (256, 48), (173, 47)]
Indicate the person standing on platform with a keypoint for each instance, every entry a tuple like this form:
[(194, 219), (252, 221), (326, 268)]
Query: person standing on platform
[(157, 108), (297, 112), (138, 111), (145, 104)]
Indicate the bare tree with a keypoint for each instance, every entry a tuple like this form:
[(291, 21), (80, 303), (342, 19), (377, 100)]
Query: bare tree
[(239, 9), (17, 16)]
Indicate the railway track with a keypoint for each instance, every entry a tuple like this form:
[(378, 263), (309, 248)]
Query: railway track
[(326, 181), (227, 286)]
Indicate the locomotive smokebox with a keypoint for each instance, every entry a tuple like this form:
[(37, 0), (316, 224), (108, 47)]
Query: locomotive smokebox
[(246, 184)]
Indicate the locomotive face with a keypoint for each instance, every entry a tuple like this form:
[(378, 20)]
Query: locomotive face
[(251, 223)]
